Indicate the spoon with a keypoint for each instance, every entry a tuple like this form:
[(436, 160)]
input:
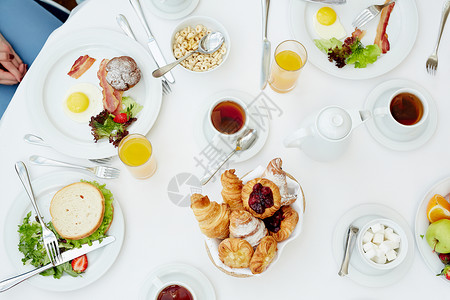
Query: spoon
[(244, 142), (207, 45), (351, 235)]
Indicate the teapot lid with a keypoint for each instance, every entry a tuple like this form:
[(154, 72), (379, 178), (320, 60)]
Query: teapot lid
[(334, 123)]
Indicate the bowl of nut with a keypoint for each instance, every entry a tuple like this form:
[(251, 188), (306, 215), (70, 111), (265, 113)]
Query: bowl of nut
[(186, 37)]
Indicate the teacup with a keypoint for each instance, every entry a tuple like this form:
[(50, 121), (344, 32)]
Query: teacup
[(172, 289), (404, 112), (228, 117)]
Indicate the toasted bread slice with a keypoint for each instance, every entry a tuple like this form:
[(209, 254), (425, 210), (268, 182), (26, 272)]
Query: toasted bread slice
[(77, 210)]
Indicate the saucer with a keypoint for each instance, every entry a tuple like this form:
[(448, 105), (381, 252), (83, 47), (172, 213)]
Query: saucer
[(386, 137), (178, 10), (358, 270), (221, 147), (180, 273)]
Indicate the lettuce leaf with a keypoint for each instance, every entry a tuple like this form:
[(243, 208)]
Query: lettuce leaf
[(324, 45), (362, 56), (130, 106)]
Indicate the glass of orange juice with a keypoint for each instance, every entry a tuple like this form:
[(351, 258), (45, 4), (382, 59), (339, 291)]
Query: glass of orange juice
[(290, 57), (135, 151)]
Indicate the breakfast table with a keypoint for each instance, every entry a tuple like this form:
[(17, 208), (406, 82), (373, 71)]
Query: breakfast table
[(159, 232)]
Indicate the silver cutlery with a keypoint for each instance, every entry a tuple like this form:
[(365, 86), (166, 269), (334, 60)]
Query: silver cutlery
[(38, 141), (66, 256), (244, 142), (351, 236), (125, 26), (210, 43), (99, 171), (49, 239), (152, 44), (368, 14), (432, 61), (265, 60)]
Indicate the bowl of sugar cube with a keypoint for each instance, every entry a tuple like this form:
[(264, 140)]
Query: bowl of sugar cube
[(382, 243)]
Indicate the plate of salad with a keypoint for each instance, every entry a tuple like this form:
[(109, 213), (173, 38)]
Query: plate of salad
[(354, 58), (51, 87), (25, 251)]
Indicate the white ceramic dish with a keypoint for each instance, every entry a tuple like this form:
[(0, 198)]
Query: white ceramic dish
[(213, 244), (206, 139), (402, 250), (421, 224), (172, 10), (402, 30), (210, 24), (44, 188), (182, 273), (379, 130), (49, 82), (358, 270)]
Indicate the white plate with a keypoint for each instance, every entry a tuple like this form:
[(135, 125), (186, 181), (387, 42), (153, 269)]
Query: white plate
[(44, 188), (213, 244), (50, 82), (219, 146), (382, 134), (179, 9), (431, 259), (402, 31), (200, 284), (358, 270)]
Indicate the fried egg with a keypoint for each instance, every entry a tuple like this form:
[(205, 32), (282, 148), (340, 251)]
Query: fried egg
[(82, 101), (327, 24)]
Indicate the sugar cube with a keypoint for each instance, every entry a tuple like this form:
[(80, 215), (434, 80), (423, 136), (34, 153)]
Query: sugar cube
[(391, 255), (388, 230), (386, 246), (395, 245), (370, 254), (393, 237), (368, 246), (367, 237), (378, 238), (379, 259), (377, 228)]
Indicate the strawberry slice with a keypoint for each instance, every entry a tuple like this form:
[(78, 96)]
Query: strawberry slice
[(121, 118), (80, 264)]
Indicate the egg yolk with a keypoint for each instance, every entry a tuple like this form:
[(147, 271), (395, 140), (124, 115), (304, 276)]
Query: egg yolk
[(326, 16), (77, 102)]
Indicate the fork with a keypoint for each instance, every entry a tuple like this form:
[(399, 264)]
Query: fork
[(432, 61), (37, 140), (48, 237), (369, 13), (125, 26), (99, 171)]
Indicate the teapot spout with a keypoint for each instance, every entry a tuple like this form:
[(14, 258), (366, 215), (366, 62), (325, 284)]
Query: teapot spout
[(359, 116), (296, 139)]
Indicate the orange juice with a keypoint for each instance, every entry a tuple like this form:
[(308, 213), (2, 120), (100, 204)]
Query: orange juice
[(135, 151), (289, 60)]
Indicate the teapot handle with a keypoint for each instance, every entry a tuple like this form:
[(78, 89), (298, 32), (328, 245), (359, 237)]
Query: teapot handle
[(296, 139)]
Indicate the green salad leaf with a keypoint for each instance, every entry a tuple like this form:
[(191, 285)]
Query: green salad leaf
[(362, 56), (324, 45)]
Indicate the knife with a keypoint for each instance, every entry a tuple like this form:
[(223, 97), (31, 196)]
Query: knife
[(67, 256), (152, 44), (265, 63), (328, 1)]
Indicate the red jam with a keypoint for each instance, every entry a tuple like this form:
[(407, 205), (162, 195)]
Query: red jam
[(273, 223), (260, 198), (175, 292)]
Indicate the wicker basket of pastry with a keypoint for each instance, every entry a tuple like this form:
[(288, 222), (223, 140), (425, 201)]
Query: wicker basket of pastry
[(259, 214)]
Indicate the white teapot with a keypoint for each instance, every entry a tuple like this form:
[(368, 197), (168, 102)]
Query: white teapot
[(325, 136)]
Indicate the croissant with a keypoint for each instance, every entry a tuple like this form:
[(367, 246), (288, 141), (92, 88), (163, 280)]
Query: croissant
[(261, 197), (232, 187), (235, 253), (275, 173), (282, 223), (264, 254), (213, 218), (245, 226)]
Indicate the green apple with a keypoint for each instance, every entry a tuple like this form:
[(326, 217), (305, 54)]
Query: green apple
[(438, 236)]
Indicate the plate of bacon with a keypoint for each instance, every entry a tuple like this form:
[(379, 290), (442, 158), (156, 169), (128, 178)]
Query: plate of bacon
[(394, 31), (82, 74)]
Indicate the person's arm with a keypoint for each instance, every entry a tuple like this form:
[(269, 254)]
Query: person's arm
[(12, 69)]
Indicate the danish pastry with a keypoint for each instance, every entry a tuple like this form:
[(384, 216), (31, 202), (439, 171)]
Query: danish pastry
[(245, 226), (282, 223), (232, 187), (264, 254), (275, 173), (235, 253), (213, 218), (261, 197)]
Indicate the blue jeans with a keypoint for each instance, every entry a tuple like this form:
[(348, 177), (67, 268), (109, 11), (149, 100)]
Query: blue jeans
[(26, 26)]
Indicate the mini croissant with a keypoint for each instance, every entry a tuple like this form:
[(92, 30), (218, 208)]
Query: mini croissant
[(213, 218), (264, 254), (231, 192)]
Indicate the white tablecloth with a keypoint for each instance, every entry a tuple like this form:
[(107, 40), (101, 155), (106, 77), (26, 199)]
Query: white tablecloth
[(159, 232)]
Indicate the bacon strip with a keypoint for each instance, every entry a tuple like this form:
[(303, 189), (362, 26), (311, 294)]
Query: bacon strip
[(381, 39), (81, 65), (112, 99)]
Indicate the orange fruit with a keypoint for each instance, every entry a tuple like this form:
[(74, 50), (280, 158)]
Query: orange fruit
[(438, 208)]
